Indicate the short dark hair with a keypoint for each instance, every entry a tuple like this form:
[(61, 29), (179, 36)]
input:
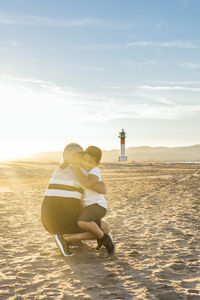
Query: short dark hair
[(94, 152)]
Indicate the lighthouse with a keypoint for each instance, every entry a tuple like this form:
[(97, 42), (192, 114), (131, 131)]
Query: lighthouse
[(122, 136)]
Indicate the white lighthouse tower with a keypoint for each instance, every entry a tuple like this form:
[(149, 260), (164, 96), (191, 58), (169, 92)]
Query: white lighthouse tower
[(122, 136)]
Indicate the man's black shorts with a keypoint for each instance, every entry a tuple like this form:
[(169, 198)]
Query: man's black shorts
[(93, 212)]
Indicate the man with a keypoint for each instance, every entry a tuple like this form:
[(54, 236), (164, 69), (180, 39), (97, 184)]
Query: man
[(61, 205)]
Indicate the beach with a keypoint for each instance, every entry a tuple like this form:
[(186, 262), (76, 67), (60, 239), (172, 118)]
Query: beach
[(154, 218)]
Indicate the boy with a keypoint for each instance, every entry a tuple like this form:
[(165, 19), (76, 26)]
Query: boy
[(95, 206)]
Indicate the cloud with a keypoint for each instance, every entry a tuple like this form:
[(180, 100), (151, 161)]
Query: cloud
[(23, 79), (119, 87), (190, 65), (141, 63), (41, 21), (13, 43), (186, 82), (6, 44), (185, 3), (177, 88), (88, 68), (90, 107), (142, 44), (159, 26)]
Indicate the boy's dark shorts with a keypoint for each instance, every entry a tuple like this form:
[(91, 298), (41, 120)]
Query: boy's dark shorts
[(94, 213)]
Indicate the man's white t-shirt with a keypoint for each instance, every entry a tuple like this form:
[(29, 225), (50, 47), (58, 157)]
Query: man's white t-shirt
[(92, 197)]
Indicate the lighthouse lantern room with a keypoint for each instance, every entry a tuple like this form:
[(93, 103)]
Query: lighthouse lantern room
[(122, 136)]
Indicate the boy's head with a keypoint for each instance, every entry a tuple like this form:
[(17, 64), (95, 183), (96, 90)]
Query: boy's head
[(92, 157)]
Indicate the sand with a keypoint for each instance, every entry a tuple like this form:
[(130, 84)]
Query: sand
[(154, 215)]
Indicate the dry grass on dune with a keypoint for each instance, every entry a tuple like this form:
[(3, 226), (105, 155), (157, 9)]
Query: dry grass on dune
[(154, 215)]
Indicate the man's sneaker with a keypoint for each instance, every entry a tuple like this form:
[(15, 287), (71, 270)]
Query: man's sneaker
[(100, 244), (108, 243), (62, 245)]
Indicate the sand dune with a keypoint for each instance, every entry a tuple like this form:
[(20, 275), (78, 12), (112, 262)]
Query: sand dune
[(145, 153), (154, 214)]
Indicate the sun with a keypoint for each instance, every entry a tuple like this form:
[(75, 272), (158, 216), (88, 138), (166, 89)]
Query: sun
[(17, 154)]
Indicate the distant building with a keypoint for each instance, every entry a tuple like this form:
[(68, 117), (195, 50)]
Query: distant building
[(122, 136)]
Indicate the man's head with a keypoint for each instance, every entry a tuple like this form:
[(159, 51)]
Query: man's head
[(77, 158), (92, 157), (69, 151)]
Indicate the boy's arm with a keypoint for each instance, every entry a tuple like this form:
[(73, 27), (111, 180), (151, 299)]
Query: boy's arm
[(99, 187), (87, 181)]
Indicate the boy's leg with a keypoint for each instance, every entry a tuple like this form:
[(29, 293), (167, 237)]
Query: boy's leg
[(85, 235), (91, 227), (105, 227), (78, 236), (88, 221)]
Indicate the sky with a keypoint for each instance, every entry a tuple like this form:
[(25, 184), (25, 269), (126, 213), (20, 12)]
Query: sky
[(81, 70)]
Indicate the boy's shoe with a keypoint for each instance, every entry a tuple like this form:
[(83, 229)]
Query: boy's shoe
[(108, 243), (100, 244), (62, 245)]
